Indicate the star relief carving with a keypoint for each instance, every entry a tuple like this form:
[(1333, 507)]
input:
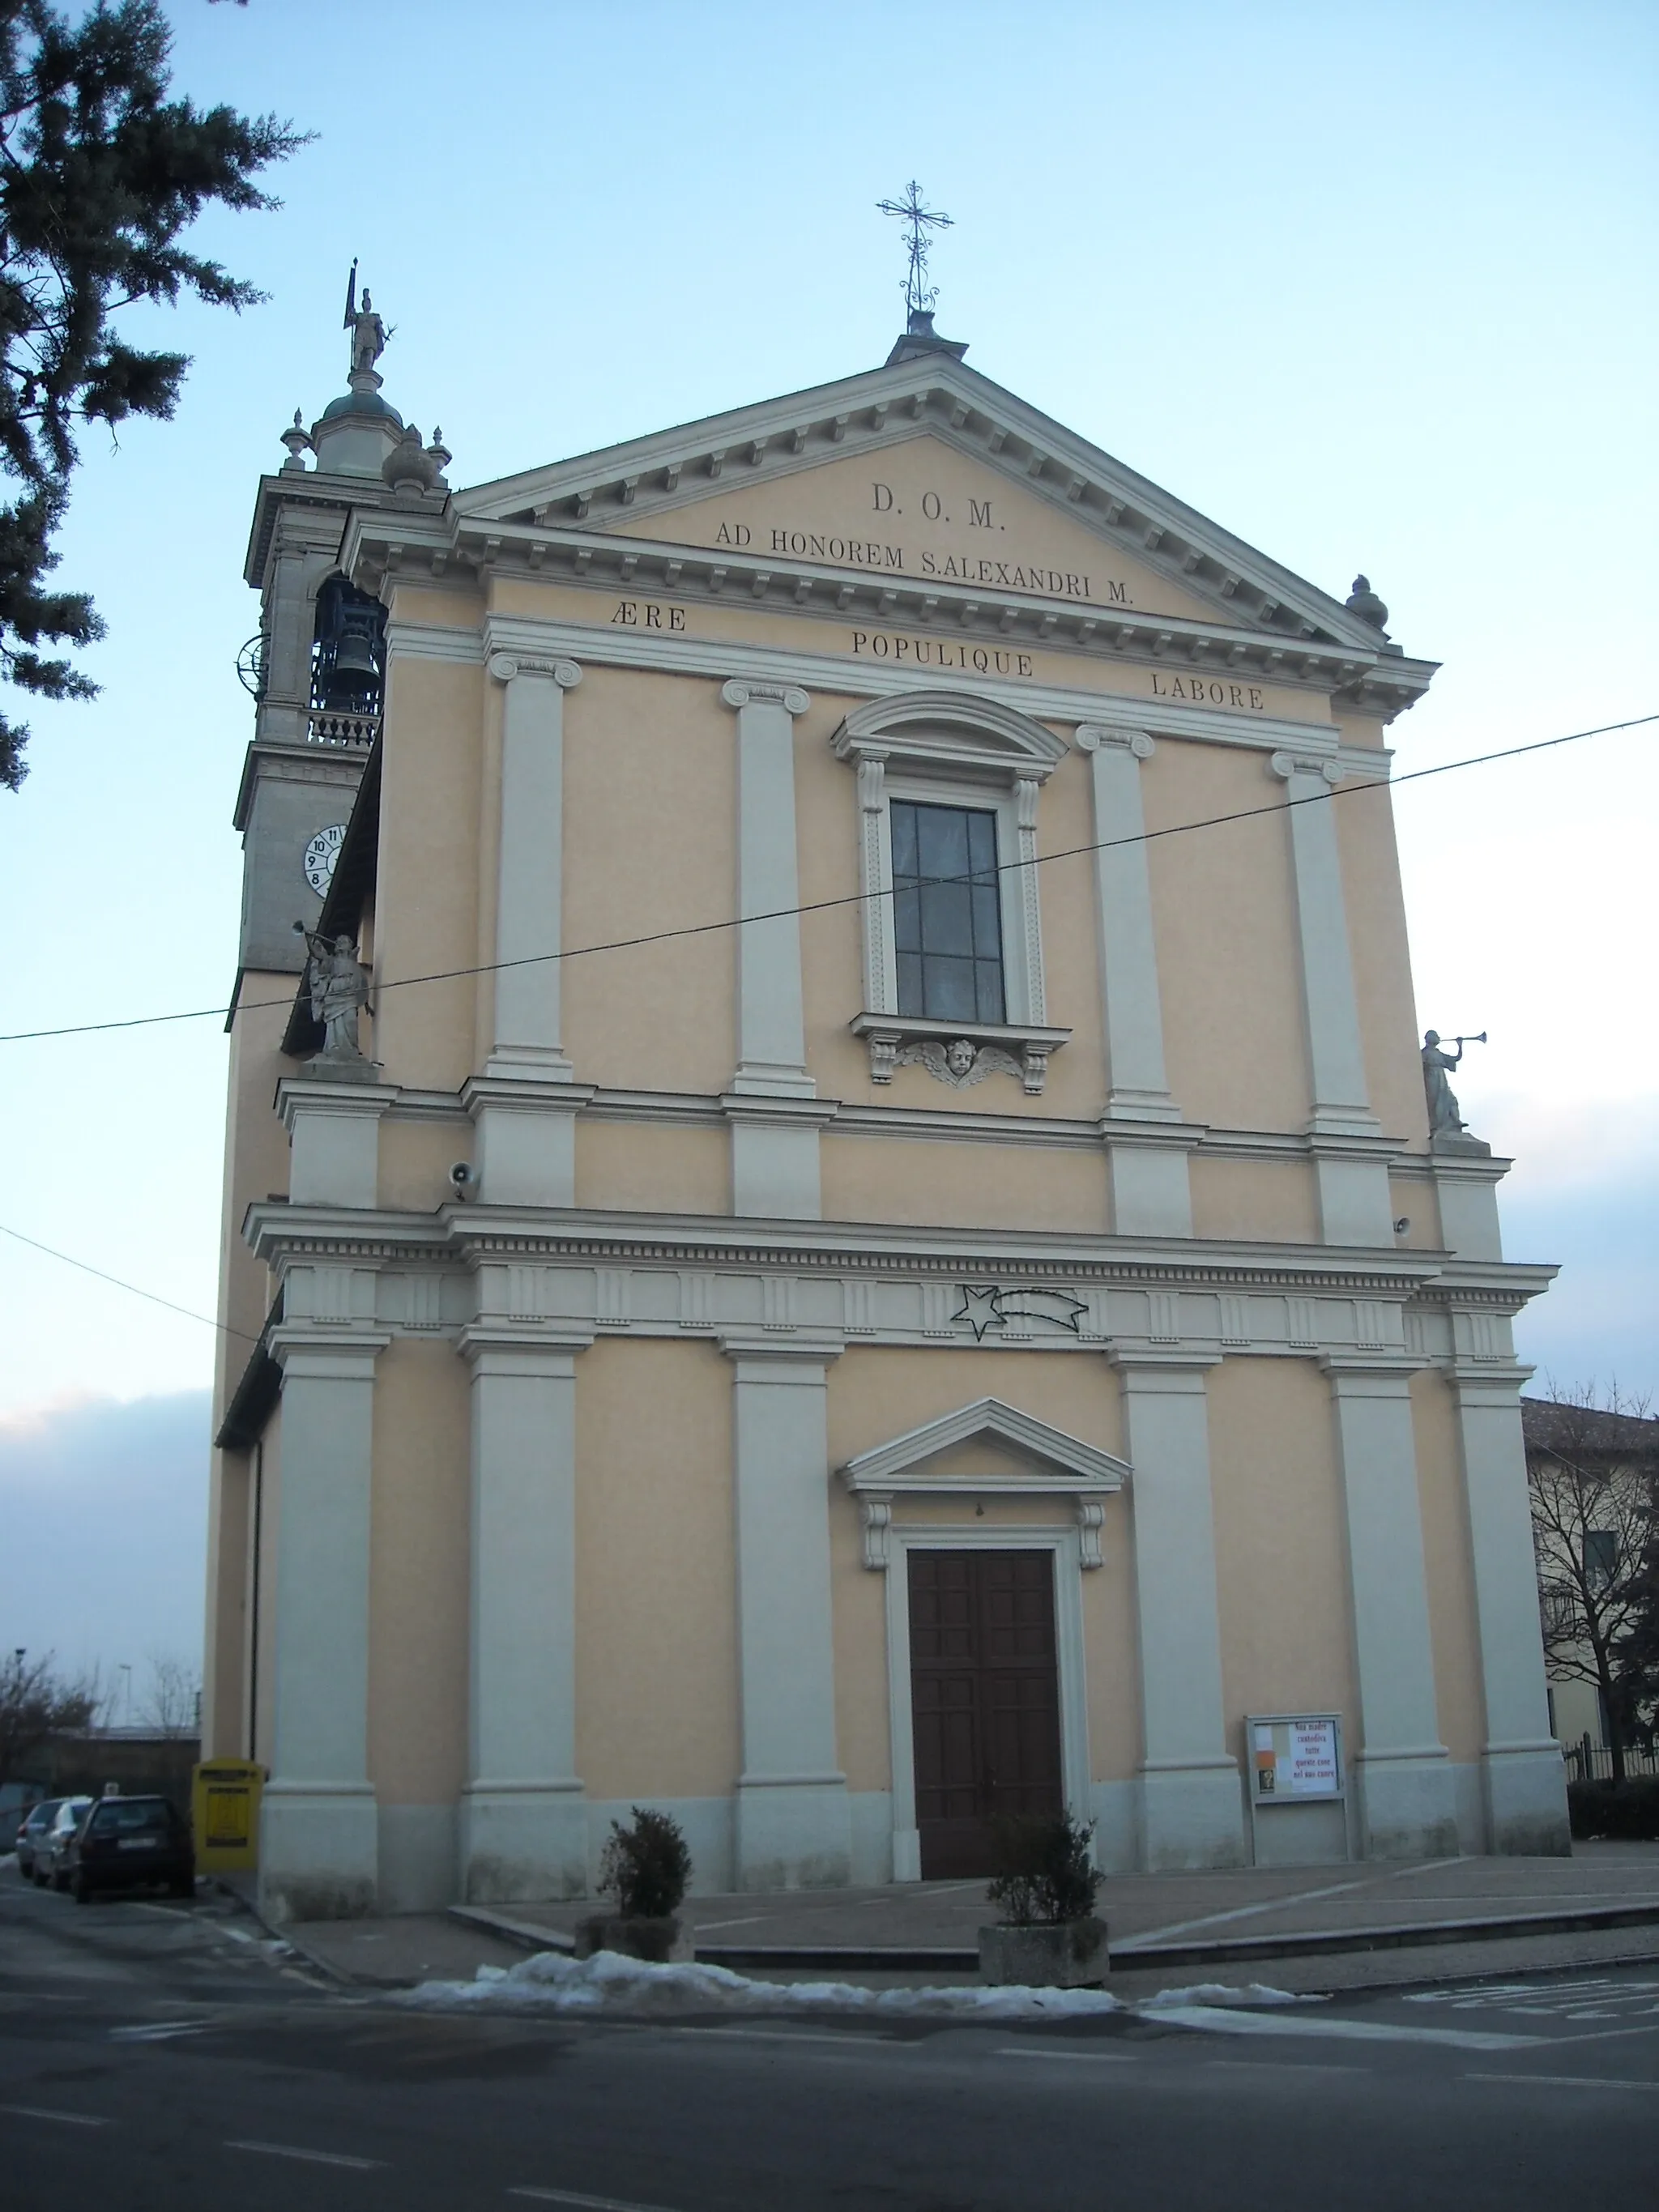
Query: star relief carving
[(989, 1305), (961, 1063)]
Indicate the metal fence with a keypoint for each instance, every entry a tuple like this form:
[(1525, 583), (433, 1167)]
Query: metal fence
[(1593, 1762)]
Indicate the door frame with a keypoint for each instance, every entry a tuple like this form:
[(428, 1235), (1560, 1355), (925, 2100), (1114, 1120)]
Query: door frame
[(1064, 1547)]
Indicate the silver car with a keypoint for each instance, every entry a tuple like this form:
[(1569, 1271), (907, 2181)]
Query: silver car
[(50, 1865), (33, 1835)]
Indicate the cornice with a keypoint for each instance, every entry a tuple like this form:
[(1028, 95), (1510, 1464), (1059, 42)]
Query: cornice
[(285, 1235), (382, 546)]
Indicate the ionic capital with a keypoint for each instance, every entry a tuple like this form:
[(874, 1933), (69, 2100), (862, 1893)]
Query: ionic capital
[(1107, 736), (504, 666), (739, 693), (1286, 766)]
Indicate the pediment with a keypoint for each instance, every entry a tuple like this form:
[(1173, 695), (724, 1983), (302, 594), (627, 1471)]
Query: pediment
[(932, 468), (986, 1447)]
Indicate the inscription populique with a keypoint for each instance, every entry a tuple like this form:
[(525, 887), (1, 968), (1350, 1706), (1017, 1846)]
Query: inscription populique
[(941, 652)]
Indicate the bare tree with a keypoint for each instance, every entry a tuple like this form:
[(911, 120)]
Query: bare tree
[(1593, 1475), (171, 1701), (37, 1704)]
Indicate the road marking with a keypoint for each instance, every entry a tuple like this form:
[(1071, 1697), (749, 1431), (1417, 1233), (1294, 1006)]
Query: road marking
[(156, 2031), (45, 2112), (1282, 2066), (750, 1920), (780, 2035), (1148, 1935), (1220, 2021), (1089, 2057), (1562, 2080), (594, 2203), (311, 2157)]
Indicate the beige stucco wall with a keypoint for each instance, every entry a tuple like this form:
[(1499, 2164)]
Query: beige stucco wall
[(962, 1185), (1453, 1627), (1272, 1201), (1381, 961), (649, 844), (648, 1167), (271, 1484), (415, 1159), (656, 1593), (1228, 957), (880, 1392), (418, 1574), (1281, 1549), (427, 894)]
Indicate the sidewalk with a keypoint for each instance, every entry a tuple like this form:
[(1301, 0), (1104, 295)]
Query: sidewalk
[(1303, 1928)]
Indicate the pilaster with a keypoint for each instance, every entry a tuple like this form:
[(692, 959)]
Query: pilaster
[(1151, 1186), (775, 1156), (319, 1848), (1350, 1164), (1406, 1805), (1521, 1773), (529, 932), (334, 1137), (523, 1819), (794, 1829), (1192, 1809)]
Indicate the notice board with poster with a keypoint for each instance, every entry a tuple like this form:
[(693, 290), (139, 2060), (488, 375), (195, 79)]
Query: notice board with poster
[(1295, 1765)]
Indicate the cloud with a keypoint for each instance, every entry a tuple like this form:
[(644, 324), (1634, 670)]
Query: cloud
[(105, 1509)]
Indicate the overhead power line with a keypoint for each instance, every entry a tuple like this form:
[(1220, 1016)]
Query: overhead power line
[(849, 898), (87, 1268)]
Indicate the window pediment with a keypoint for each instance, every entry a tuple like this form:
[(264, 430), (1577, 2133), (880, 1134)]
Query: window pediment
[(1034, 1461), (952, 733)]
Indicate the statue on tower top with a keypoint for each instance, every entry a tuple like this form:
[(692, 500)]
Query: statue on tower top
[(369, 332)]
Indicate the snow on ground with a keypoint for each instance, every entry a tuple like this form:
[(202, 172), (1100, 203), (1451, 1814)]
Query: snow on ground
[(552, 1982)]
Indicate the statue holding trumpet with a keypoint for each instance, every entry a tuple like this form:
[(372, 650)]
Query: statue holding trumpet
[(1444, 1119), (338, 987)]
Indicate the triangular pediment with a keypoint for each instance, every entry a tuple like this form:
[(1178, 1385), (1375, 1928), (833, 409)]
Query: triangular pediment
[(931, 475), (986, 1447)]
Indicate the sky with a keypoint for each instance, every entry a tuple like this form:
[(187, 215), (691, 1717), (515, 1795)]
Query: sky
[(1371, 286)]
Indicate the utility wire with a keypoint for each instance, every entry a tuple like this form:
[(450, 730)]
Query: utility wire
[(852, 898), (86, 1269)]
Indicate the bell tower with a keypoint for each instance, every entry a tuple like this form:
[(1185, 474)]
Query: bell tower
[(317, 666)]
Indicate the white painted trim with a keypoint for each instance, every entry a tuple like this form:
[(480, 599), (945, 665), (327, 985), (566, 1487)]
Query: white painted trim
[(1063, 1544), (529, 912), (882, 1465)]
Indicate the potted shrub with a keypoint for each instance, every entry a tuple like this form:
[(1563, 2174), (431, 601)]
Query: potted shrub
[(1049, 1936), (645, 1867)]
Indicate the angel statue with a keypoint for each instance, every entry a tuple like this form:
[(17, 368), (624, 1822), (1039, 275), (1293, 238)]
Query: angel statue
[(1444, 1119), (960, 1063), (338, 985)]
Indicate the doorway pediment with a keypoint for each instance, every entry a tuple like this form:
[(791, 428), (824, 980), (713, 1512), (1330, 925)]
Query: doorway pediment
[(983, 1450)]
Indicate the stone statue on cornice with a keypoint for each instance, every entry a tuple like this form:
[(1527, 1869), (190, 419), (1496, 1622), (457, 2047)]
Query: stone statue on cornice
[(338, 985), (1444, 1119)]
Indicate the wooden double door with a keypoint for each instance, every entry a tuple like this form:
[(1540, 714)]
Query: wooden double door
[(984, 1700)]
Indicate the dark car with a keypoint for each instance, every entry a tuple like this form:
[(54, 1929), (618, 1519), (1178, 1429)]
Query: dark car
[(32, 1835), (130, 1843)]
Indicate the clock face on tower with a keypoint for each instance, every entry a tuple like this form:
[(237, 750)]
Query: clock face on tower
[(320, 855)]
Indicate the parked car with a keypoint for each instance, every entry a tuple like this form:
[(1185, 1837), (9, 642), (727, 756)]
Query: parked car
[(32, 1834), (49, 1859), (130, 1843)]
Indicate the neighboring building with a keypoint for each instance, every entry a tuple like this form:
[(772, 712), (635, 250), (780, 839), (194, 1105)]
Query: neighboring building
[(1593, 1475), (964, 1340)]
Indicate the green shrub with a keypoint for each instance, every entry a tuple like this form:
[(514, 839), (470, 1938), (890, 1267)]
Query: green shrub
[(1044, 1872), (646, 1867), (1626, 1811)]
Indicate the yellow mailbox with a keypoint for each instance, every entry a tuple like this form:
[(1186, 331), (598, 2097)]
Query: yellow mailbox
[(225, 1804)]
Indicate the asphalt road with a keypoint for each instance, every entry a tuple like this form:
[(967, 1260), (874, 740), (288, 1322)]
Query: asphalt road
[(154, 2056)]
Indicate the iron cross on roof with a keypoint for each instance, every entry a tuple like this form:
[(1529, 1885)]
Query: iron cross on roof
[(918, 293)]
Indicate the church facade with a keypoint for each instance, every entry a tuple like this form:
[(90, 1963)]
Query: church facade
[(828, 1180)]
